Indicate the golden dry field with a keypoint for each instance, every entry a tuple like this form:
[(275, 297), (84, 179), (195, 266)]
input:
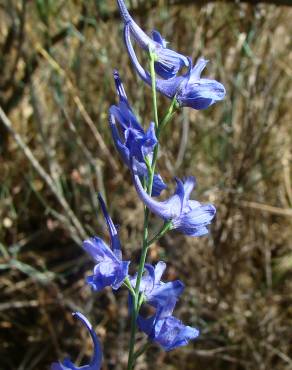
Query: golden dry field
[(56, 153)]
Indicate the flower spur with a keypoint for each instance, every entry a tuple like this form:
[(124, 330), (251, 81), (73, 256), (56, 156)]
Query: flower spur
[(95, 363)]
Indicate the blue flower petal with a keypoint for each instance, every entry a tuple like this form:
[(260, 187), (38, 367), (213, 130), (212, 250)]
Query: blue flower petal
[(98, 250), (188, 184), (174, 334), (192, 222), (165, 329), (147, 281), (201, 93), (121, 274), (159, 271), (104, 275), (158, 185), (160, 294)]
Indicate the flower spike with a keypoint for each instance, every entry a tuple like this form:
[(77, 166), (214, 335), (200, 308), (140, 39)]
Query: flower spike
[(95, 363), (109, 270)]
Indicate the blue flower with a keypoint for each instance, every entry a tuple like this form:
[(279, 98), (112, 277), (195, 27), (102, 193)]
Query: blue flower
[(109, 270), (168, 62), (165, 329), (95, 363), (155, 291), (188, 216), (135, 141), (189, 89)]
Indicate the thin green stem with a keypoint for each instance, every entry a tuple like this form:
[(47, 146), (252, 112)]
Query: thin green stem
[(131, 359), (152, 58), (144, 251), (136, 301), (168, 116), (128, 284), (166, 227)]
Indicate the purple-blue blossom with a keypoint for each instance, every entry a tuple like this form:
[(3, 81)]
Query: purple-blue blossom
[(129, 137), (187, 216), (168, 62), (189, 89), (110, 269), (165, 329), (155, 291), (95, 363)]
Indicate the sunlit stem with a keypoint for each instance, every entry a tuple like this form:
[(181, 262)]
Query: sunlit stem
[(128, 284), (166, 227), (168, 116), (152, 58)]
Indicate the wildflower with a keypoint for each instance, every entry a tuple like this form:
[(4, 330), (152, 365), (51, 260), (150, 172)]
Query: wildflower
[(188, 216), (135, 140), (95, 363), (109, 270), (168, 62), (166, 329), (189, 89), (155, 291)]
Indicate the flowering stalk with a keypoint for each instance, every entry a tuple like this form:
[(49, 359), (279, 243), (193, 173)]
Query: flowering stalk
[(138, 149), (137, 298)]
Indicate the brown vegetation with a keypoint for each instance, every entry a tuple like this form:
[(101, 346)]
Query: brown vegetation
[(56, 86)]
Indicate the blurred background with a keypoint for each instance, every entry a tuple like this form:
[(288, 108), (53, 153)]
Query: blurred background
[(56, 85)]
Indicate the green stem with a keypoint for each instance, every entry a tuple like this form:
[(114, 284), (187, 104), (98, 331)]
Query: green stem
[(134, 314), (152, 58), (144, 251), (128, 284), (168, 116), (166, 227)]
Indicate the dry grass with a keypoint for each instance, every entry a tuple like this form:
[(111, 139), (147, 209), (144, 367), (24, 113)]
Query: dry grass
[(238, 280)]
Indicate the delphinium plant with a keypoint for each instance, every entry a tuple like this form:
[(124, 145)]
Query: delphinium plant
[(174, 76)]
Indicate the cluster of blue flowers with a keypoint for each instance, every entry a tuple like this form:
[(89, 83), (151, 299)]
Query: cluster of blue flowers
[(138, 150)]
